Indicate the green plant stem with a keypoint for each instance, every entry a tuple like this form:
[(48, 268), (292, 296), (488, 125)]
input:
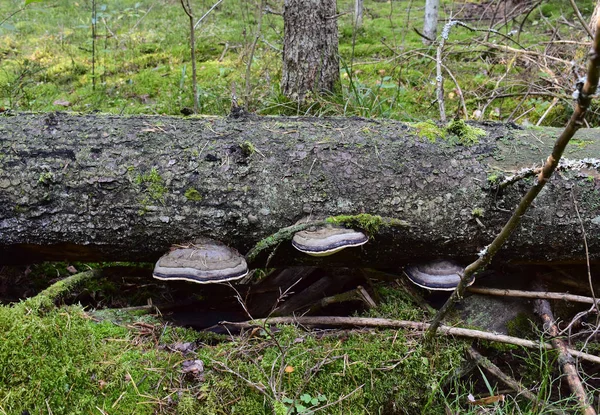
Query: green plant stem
[(583, 102)]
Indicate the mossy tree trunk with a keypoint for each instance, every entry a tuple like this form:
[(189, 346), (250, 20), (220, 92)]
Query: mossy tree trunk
[(98, 187), (310, 48)]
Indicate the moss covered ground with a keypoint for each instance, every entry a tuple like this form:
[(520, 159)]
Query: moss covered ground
[(65, 360)]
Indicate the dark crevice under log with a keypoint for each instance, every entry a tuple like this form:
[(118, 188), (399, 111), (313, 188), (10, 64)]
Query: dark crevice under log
[(99, 187)]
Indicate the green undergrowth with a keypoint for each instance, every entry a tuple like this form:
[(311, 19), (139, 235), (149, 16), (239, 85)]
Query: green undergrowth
[(63, 362), (142, 60), (67, 361)]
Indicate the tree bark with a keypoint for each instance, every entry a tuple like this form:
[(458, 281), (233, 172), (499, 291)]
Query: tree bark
[(310, 48), (100, 187), (358, 13), (430, 21)]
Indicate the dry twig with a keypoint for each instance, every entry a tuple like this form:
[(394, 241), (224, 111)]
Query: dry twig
[(533, 294), (331, 321), (495, 371), (542, 308)]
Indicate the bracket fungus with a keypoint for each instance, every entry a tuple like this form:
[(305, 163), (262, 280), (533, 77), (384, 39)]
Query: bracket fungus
[(205, 261), (327, 240), (442, 275)]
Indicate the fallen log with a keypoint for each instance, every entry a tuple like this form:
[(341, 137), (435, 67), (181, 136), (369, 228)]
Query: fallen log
[(101, 187)]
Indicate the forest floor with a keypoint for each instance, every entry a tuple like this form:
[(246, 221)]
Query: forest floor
[(92, 354)]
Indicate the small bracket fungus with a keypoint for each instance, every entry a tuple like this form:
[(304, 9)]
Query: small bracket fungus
[(204, 262), (436, 275), (327, 240)]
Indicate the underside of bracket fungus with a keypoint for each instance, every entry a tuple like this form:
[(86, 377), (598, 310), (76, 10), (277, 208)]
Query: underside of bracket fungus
[(327, 240), (440, 275), (205, 261)]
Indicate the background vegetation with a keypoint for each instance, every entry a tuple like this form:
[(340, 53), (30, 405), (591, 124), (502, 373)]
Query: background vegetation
[(142, 59)]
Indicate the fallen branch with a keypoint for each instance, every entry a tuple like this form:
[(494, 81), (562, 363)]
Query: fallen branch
[(542, 308), (584, 100), (332, 321), (47, 298), (532, 294), (503, 377)]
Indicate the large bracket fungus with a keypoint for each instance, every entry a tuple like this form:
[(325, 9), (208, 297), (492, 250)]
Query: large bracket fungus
[(205, 261), (442, 275), (326, 240)]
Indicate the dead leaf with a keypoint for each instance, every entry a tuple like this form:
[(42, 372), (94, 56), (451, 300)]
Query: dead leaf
[(62, 103), (195, 367), (485, 401)]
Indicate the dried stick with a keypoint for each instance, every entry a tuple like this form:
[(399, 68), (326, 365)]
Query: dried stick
[(185, 4), (334, 321), (580, 18), (503, 377), (458, 88), (533, 294), (252, 51), (207, 13), (542, 308), (485, 256)]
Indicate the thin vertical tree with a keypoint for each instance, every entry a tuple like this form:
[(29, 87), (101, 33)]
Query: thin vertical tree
[(430, 21), (187, 8)]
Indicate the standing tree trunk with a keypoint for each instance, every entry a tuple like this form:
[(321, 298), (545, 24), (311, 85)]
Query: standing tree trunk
[(358, 13), (310, 48), (430, 22), (595, 16)]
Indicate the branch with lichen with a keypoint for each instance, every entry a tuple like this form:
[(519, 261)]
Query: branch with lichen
[(584, 99), (563, 165)]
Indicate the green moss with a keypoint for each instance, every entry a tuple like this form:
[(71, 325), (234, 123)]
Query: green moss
[(193, 195), (520, 326), (477, 212), (465, 133), (247, 148), (580, 144), (493, 178), (429, 130), (46, 177), (365, 221), (152, 184)]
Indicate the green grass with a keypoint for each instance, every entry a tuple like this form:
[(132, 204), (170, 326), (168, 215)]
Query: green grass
[(142, 61)]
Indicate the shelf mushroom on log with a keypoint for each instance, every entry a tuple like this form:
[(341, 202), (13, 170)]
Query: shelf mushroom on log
[(327, 240), (438, 275), (204, 262)]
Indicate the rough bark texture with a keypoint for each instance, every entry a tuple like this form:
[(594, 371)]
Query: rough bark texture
[(97, 187), (431, 20), (310, 48)]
